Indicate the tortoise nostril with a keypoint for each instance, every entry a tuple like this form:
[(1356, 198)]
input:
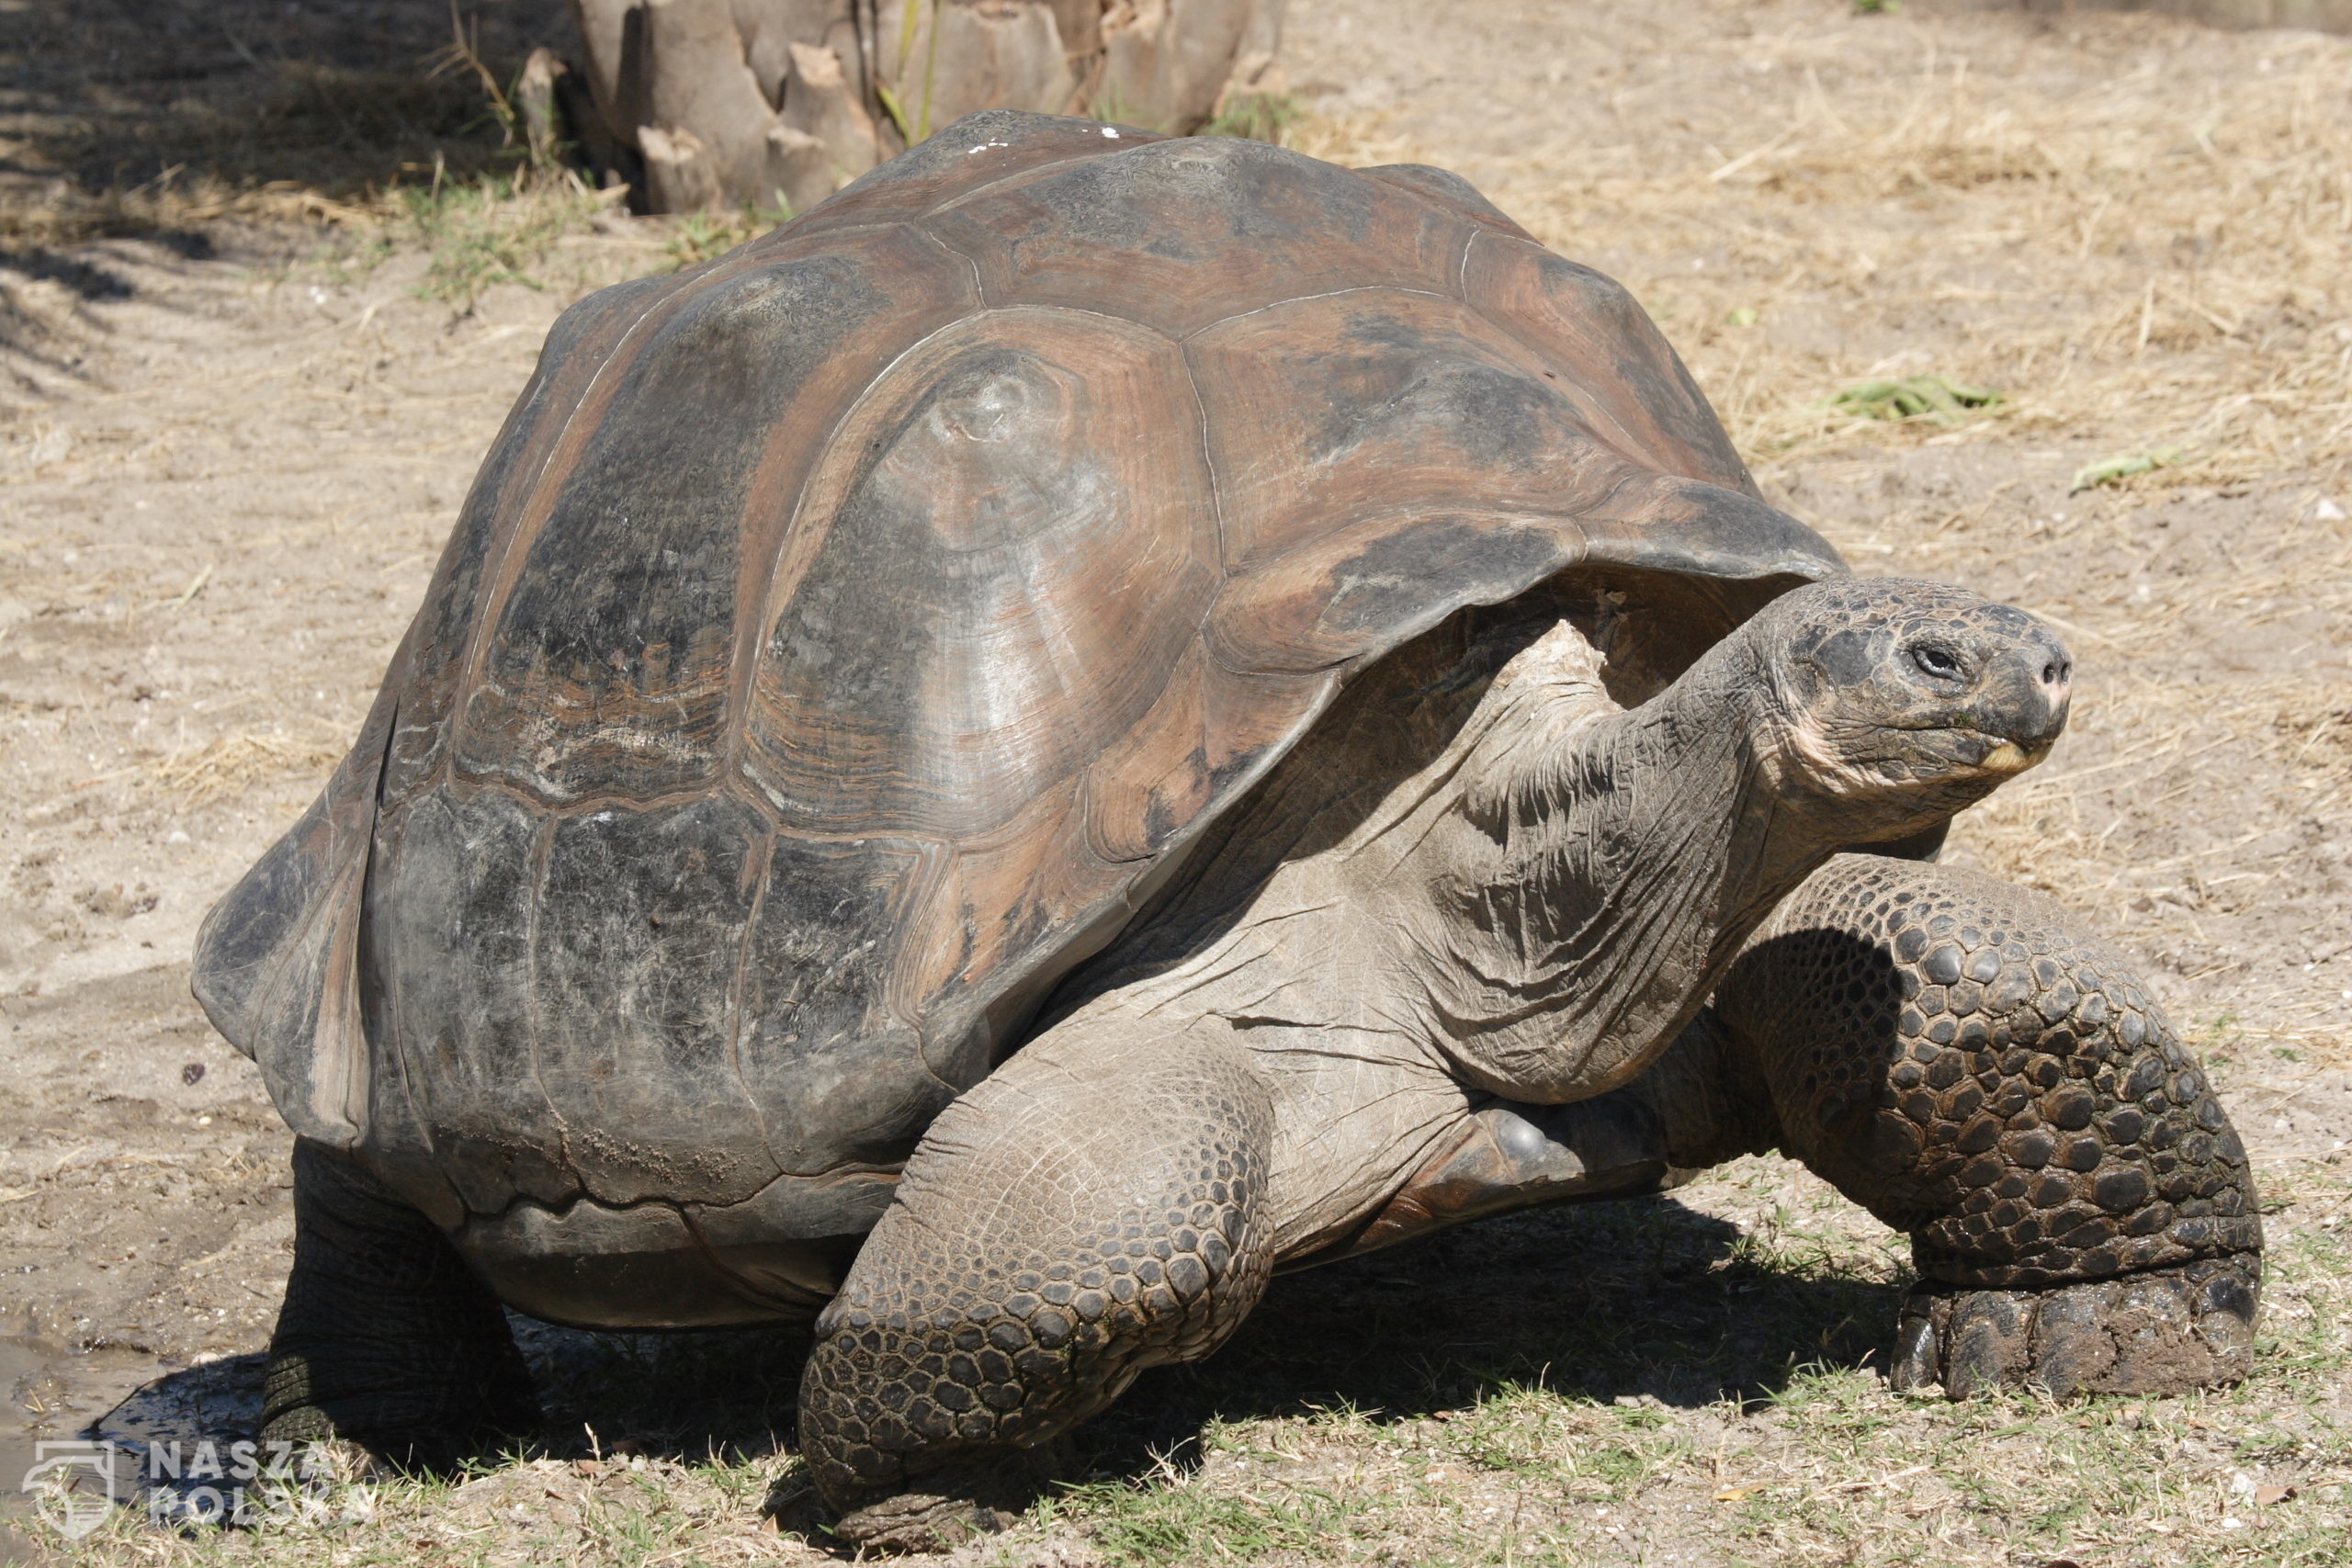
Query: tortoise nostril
[(2056, 672)]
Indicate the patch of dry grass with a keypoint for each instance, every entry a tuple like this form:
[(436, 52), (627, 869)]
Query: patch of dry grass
[(137, 119), (228, 765), (2164, 256)]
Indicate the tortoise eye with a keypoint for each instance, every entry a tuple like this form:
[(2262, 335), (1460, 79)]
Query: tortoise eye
[(1939, 662)]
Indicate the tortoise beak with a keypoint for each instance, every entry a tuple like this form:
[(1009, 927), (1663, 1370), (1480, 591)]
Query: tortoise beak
[(2027, 689), (2009, 758)]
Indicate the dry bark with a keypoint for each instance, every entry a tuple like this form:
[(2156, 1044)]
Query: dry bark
[(781, 102)]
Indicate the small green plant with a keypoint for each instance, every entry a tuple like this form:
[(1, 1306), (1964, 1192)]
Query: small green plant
[(2109, 470), (1877, 7), (1935, 398), (699, 236), (1255, 117), (916, 126), (490, 229)]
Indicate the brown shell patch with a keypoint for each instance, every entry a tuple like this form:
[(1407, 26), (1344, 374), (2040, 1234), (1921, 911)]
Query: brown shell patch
[(609, 667), (1625, 382), (1330, 411), (639, 940), (1211, 729), (1182, 233), (839, 1078), (446, 942), (1017, 539)]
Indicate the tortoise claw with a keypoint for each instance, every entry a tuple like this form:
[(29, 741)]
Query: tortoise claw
[(2164, 1331), (918, 1522), (957, 1502)]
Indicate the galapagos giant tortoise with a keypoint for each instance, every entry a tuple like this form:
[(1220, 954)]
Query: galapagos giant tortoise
[(1101, 715)]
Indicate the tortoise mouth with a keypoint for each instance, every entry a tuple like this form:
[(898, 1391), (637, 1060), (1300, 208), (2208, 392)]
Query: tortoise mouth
[(1996, 756), (2009, 758), (1924, 752)]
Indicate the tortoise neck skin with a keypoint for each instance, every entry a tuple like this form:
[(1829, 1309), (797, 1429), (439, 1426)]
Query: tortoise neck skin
[(1583, 888), (1541, 904), (1582, 891)]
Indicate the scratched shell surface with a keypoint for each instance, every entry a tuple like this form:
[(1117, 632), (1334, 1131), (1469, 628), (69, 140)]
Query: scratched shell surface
[(844, 635)]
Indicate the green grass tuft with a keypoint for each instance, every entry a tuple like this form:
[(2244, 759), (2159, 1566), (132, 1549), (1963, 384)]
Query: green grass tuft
[(1256, 117), (490, 229), (1938, 399), (2111, 470), (700, 236)]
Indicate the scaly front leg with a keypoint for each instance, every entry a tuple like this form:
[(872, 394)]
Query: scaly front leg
[(1091, 1209), (1953, 1054)]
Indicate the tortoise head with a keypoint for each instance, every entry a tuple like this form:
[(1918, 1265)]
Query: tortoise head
[(1899, 702)]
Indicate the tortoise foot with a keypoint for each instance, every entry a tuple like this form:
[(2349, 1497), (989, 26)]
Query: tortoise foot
[(1090, 1209), (957, 1502), (2164, 1331), (345, 1438), (919, 1521)]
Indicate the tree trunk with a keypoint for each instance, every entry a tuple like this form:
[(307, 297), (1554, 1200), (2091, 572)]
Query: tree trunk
[(782, 102)]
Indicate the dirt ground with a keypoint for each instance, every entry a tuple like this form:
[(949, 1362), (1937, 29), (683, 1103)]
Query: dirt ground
[(242, 389)]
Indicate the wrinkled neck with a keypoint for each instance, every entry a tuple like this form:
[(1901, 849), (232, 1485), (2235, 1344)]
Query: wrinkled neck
[(1598, 882)]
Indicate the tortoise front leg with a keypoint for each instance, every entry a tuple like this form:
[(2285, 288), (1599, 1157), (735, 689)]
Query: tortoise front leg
[(385, 1336), (1094, 1207), (1953, 1054)]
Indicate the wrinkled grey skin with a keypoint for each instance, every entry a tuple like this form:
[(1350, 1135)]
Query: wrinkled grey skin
[(1533, 912)]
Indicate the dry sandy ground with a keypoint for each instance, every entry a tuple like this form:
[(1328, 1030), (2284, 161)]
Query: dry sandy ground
[(231, 444)]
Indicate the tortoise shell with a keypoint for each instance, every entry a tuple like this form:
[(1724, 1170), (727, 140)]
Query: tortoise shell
[(845, 636)]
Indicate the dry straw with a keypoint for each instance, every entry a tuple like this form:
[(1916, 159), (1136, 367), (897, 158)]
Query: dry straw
[(2187, 254), (231, 764)]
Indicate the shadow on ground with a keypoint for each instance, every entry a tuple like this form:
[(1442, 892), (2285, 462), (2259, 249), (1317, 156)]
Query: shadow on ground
[(151, 117), (1641, 1298), (1635, 1299)]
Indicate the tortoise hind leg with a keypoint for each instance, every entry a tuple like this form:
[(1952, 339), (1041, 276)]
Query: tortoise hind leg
[(1955, 1055), (1093, 1208), (386, 1338)]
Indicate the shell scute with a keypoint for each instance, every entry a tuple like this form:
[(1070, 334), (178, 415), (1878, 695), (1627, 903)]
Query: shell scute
[(639, 942), (839, 1078), (1626, 383), (1010, 911), (1211, 728), (1320, 608), (576, 348), (1018, 535), (1450, 191), (446, 943), (1182, 233), (1330, 411), (609, 668)]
